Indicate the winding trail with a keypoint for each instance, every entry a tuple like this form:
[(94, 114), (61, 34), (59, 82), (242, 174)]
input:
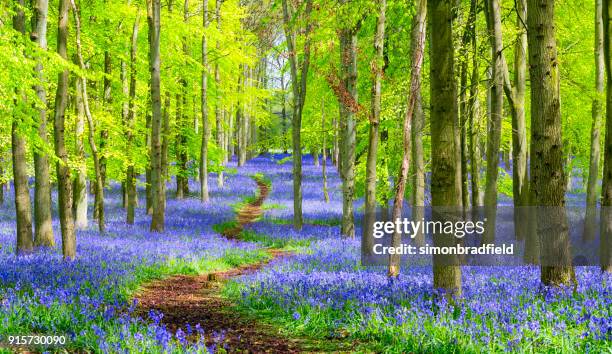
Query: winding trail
[(190, 300)]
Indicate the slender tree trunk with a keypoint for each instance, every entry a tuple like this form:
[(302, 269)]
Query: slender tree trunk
[(324, 158), (205, 124), (606, 200), (43, 235), (493, 11), (597, 110), (80, 181), (63, 170), (92, 132), (148, 175), (547, 156), (474, 122), (367, 239), (417, 52), (218, 107), (348, 108), (20, 169), (444, 192), (153, 17), (130, 178), (520, 183), (164, 148), (298, 85)]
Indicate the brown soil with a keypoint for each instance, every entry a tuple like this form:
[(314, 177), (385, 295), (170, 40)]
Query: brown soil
[(250, 212), (197, 300)]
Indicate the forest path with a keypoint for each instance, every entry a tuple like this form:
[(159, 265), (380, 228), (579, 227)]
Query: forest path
[(197, 299), (250, 211)]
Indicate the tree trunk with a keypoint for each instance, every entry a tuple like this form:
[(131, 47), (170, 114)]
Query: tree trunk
[(153, 18), (205, 124), (92, 132), (298, 85), (547, 156), (493, 11), (63, 170), (23, 207), (324, 157), (218, 108), (444, 191), (417, 49), (369, 217), (148, 175), (606, 200), (130, 178), (80, 181), (348, 109), (43, 235), (473, 131), (591, 188), (520, 182)]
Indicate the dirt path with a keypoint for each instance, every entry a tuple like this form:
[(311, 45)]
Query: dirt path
[(197, 300), (251, 211), (191, 300)]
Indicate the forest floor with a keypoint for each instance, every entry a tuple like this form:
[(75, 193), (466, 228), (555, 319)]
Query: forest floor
[(189, 300)]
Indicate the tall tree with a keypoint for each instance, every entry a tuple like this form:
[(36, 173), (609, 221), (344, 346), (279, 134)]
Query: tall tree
[(417, 49), (130, 177), (493, 11), (90, 123), (547, 156), (606, 197), (20, 170), (153, 19), (367, 241), (205, 124), (298, 85), (348, 109), (43, 235), (80, 179), (597, 110), (520, 183), (474, 116), (445, 191), (218, 106), (63, 169)]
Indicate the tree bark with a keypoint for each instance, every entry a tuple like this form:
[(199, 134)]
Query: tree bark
[(348, 110), (20, 169), (547, 156), (520, 183), (153, 18), (493, 11), (80, 181), (444, 188), (606, 200), (324, 157), (369, 217), (218, 107), (92, 131), (597, 110), (43, 235), (417, 52), (130, 178), (298, 84), (63, 170), (205, 124), (473, 131)]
